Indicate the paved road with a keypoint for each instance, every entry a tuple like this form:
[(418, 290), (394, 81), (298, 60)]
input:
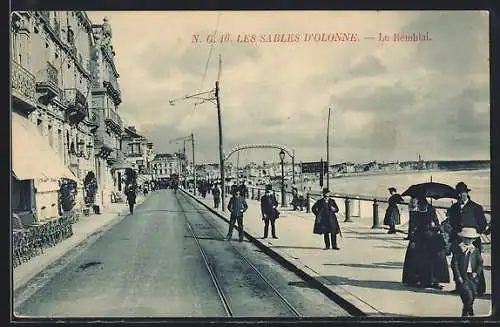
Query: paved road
[(150, 264)]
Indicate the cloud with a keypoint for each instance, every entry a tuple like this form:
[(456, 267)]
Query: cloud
[(460, 41), (389, 100), (368, 66)]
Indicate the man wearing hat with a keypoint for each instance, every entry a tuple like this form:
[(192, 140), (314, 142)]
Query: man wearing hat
[(466, 213), (268, 205), (467, 266), (326, 222)]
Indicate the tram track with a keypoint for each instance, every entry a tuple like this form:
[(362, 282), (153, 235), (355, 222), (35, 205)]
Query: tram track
[(213, 273)]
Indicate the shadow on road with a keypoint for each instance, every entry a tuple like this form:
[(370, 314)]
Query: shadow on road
[(386, 265), (206, 238), (297, 247), (382, 284), (302, 284), (390, 247)]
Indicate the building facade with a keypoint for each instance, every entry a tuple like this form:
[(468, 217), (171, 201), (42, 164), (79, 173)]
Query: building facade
[(164, 165), (51, 84), (106, 98)]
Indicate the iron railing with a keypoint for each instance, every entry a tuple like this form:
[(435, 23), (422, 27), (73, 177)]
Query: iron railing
[(23, 82), (355, 205), (113, 117)]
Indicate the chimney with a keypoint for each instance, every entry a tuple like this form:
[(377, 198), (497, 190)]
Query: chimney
[(132, 128)]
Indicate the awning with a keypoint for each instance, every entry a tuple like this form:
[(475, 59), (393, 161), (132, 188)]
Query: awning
[(32, 156)]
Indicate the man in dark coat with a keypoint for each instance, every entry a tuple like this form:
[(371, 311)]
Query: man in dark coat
[(216, 195), (242, 188), (467, 213), (467, 266), (131, 192), (326, 222), (237, 206), (268, 205), (392, 217)]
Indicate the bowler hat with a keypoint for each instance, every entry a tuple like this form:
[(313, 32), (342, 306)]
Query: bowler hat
[(469, 232), (326, 191), (462, 187), (269, 187), (392, 189)]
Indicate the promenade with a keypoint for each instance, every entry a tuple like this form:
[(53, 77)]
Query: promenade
[(366, 271)]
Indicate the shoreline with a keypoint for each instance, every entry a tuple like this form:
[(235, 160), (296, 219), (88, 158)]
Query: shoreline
[(406, 172)]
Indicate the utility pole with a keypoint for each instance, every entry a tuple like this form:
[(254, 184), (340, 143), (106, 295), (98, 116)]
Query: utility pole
[(184, 165), (194, 164), (238, 168), (221, 151), (328, 150)]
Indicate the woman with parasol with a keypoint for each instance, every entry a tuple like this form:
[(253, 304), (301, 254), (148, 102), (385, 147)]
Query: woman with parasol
[(425, 262)]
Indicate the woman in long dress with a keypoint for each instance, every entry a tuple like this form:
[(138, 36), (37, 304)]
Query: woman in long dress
[(425, 261), (392, 217)]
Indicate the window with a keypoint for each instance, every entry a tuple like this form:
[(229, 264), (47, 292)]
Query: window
[(51, 136), (60, 143), (39, 126)]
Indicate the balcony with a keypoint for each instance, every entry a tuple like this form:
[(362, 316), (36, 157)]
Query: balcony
[(47, 84), (78, 108), (23, 88), (134, 154), (113, 90), (113, 120), (103, 145)]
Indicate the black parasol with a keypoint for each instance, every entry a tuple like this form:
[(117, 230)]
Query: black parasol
[(431, 190)]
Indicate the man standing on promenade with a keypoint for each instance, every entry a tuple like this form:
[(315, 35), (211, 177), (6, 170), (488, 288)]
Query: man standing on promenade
[(237, 206), (216, 195), (326, 222), (466, 213), (268, 205)]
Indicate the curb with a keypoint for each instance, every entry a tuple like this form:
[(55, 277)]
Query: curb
[(345, 300), (22, 285)]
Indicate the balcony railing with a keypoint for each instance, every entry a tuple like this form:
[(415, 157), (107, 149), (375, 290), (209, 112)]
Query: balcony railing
[(47, 82), (23, 85), (113, 119), (77, 105), (111, 86)]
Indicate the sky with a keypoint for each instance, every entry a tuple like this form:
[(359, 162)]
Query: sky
[(389, 100)]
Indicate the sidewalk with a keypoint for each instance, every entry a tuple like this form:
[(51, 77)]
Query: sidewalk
[(85, 227), (366, 272)]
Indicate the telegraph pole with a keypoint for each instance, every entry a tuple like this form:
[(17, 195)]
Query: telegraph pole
[(221, 151), (194, 165), (328, 150)]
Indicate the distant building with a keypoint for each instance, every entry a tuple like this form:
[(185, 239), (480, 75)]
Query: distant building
[(165, 164)]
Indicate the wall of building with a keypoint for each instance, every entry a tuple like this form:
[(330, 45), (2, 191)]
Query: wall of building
[(44, 46)]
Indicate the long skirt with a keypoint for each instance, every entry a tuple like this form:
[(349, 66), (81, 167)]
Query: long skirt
[(411, 266), (392, 216)]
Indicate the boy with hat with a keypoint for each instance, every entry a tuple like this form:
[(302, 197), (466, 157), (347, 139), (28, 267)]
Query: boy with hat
[(467, 213), (467, 266), (268, 205), (326, 222)]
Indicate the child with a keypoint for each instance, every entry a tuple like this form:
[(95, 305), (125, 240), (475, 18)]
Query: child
[(237, 206), (467, 265)]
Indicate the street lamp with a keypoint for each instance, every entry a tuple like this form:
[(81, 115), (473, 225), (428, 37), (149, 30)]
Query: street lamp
[(282, 157)]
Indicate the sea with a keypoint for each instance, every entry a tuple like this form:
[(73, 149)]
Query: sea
[(478, 181)]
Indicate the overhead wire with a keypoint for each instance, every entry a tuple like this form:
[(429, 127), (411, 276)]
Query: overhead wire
[(207, 63)]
